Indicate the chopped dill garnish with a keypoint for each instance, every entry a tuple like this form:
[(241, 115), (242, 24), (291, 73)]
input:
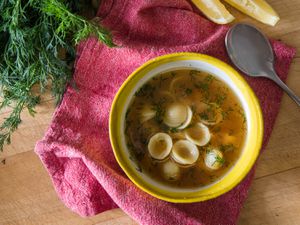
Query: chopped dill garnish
[(212, 178), (159, 112), (208, 114), (201, 85), (225, 113), (209, 79), (216, 129), (208, 150), (173, 130), (243, 116), (188, 91), (145, 91), (227, 148), (204, 115), (173, 74), (205, 85), (193, 74), (231, 132), (220, 98), (144, 141), (155, 78), (162, 79), (219, 160), (189, 126)]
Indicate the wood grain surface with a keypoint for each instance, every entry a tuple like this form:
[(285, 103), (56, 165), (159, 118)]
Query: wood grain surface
[(28, 197)]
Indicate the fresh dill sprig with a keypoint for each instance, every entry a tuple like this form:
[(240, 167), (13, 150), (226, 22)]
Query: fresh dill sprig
[(74, 22), (37, 40)]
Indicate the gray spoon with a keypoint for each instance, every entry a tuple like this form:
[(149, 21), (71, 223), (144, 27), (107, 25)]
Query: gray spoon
[(252, 53)]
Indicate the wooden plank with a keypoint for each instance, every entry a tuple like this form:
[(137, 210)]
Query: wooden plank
[(24, 201), (288, 10), (283, 150), (274, 200), (31, 129), (292, 39)]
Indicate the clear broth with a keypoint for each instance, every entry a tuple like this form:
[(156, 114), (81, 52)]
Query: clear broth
[(194, 88)]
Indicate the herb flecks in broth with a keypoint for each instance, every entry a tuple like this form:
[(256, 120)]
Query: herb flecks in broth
[(188, 91), (226, 112), (227, 148), (213, 128), (158, 107), (220, 98), (146, 91), (219, 160)]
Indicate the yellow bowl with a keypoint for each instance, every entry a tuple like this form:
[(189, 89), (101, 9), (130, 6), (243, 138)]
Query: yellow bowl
[(191, 61)]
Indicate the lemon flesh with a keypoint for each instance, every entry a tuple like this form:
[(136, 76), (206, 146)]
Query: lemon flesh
[(214, 10), (258, 9)]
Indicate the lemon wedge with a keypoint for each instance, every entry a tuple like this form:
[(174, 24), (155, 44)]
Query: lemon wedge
[(258, 9), (214, 10)]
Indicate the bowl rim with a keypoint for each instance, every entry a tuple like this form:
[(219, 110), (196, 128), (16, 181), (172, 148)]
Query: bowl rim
[(231, 72)]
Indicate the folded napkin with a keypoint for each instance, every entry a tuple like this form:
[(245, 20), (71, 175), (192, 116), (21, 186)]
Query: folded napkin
[(76, 150)]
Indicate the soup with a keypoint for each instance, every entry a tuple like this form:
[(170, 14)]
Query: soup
[(185, 128)]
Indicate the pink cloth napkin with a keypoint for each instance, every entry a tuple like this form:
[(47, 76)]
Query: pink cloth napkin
[(76, 150)]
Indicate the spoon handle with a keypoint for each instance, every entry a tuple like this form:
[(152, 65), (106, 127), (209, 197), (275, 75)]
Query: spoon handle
[(281, 84)]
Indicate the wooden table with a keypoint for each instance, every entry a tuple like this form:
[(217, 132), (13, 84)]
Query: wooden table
[(27, 195)]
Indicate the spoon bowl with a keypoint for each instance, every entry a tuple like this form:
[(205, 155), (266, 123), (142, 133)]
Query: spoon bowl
[(251, 52)]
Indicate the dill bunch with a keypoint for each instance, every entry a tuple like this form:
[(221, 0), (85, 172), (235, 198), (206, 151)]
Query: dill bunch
[(32, 36)]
